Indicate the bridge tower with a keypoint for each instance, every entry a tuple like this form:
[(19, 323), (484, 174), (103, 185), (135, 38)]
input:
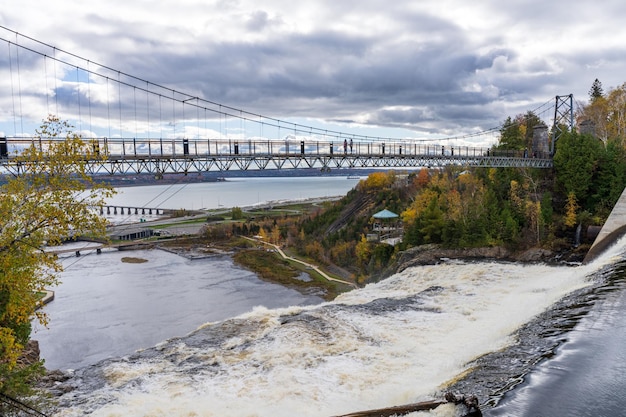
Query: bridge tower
[(563, 116)]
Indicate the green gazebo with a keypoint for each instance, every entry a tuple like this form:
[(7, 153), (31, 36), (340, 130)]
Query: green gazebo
[(387, 227)]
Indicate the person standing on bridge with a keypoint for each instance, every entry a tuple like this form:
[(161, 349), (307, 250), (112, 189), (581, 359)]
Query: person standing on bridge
[(350, 145), (345, 146)]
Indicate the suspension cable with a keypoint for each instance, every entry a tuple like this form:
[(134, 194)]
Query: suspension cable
[(232, 112)]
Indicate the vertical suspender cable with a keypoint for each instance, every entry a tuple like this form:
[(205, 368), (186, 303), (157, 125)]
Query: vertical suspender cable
[(119, 99), (108, 107), (135, 103), (89, 95), (183, 119), (148, 112), (161, 120), (19, 82), (56, 87), (174, 114), (12, 90), (45, 74), (80, 119)]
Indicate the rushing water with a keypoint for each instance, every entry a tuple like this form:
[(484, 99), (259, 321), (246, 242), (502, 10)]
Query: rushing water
[(267, 351), (587, 374), (105, 307), (395, 342)]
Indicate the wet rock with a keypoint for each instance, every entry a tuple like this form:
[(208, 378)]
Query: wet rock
[(30, 354), (534, 255), (434, 254)]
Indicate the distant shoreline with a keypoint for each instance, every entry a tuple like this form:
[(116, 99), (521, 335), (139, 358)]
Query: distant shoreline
[(219, 176)]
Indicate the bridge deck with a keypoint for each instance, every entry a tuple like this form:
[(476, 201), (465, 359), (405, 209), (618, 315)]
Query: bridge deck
[(159, 156)]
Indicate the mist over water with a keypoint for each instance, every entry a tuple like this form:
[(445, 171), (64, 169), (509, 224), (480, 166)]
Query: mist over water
[(391, 343)]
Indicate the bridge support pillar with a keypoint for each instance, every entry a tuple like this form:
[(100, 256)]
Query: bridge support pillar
[(136, 210), (108, 210), (114, 210)]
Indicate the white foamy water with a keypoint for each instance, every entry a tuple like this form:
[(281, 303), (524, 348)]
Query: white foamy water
[(392, 343)]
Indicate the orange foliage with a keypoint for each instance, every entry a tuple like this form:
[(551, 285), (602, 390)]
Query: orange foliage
[(423, 177)]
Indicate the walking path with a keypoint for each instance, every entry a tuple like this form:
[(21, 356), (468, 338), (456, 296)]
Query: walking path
[(308, 265)]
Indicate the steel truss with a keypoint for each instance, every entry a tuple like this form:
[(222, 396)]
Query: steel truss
[(159, 166), (158, 157)]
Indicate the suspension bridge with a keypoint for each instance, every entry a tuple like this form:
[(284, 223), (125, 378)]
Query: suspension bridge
[(137, 126)]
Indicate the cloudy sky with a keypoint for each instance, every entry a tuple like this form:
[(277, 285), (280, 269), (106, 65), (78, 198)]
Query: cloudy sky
[(419, 68)]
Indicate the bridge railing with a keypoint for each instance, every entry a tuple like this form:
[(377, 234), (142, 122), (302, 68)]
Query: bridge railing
[(160, 148)]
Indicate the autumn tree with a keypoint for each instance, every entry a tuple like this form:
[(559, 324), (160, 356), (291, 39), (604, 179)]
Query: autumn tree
[(50, 199), (606, 112), (517, 134), (236, 213), (423, 177), (617, 112), (571, 208)]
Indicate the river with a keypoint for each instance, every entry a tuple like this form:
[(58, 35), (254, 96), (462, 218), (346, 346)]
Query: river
[(398, 341), (233, 192), (104, 307)]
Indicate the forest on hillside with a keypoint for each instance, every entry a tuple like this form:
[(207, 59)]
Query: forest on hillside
[(461, 207)]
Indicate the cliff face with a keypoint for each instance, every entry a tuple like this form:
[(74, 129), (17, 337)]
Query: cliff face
[(433, 254)]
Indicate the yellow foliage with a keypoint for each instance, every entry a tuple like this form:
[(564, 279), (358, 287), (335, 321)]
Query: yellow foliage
[(454, 204), (422, 200), (52, 199), (515, 196), (571, 207), (275, 238), (314, 250), (378, 180), (363, 250)]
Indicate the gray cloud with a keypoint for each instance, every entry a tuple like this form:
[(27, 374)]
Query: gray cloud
[(402, 65)]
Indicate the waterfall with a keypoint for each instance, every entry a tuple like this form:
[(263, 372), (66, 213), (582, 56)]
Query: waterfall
[(579, 229), (394, 342)]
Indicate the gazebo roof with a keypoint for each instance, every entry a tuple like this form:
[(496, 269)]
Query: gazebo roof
[(385, 214)]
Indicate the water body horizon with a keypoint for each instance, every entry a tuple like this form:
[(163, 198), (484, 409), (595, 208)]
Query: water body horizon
[(232, 192)]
